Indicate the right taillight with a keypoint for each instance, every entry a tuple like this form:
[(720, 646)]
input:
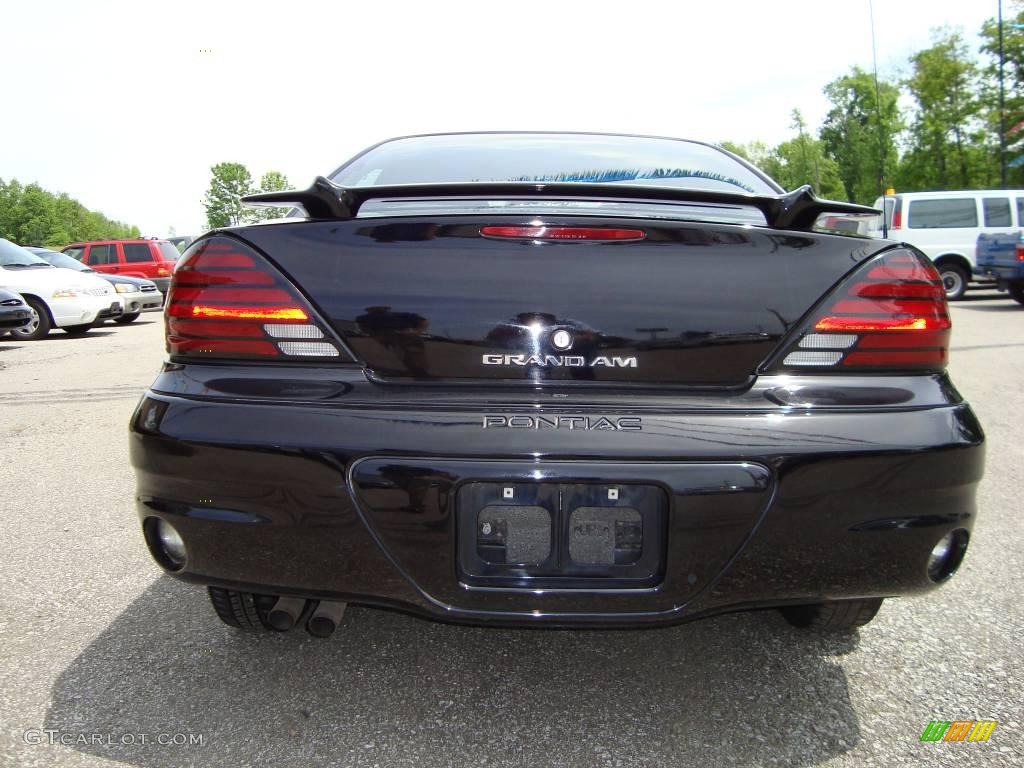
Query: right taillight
[(891, 315), (1020, 251), (226, 301)]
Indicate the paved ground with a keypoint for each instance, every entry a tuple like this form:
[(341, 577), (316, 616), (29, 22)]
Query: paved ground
[(93, 640)]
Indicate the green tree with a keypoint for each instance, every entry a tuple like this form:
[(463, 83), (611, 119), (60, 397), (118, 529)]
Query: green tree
[(860, 132), (229, 182), (31, 215), (802, 160), (1013, 74), (946, 147), (272, 181), (758, 154)]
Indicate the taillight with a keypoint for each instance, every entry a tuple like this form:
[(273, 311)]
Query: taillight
[(226, 301), (891, 315), (606, 234), (1020, 251), (897, 218)]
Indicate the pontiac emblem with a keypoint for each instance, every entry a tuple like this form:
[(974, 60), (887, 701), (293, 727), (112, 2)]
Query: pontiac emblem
[(561, 340)]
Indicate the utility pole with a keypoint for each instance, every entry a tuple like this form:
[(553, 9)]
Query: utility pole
[(1002, 106)]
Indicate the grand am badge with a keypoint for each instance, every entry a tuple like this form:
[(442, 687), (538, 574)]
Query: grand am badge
[(560, 361)]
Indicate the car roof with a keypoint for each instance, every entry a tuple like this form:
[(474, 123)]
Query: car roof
[(120, 240), (958, 193)]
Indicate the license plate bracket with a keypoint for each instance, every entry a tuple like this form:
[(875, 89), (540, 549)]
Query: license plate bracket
[(561, 535)]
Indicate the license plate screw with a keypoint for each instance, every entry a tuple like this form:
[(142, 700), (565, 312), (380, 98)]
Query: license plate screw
[(507, 492), (613, 494)]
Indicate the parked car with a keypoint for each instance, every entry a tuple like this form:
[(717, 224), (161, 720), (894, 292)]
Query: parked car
[(946, 225), (552, 380), (59, 298), (181, 242), (14, 312), (139, 295), (1001, 256), (150, 259)]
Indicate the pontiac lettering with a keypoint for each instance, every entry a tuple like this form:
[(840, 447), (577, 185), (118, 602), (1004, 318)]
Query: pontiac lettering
[(584, 423)]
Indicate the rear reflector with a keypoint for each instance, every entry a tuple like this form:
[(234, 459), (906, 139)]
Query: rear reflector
[(813, 358), (891, 315), (308, 348), (828, 340), (563, 233), (293, 331), (226, 301)]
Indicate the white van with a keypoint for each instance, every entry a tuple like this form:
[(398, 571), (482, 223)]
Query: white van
[(946, 225)]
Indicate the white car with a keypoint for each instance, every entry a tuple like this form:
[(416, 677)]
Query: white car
[(946, 225), (57, 297)]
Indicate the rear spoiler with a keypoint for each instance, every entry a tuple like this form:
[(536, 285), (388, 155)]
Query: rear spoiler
[(798, 209)]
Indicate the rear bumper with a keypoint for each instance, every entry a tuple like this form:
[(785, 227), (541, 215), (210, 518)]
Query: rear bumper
[(1001, 273), (328, 497)]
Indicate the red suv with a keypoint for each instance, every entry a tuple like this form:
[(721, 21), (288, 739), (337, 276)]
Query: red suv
[(151, 259)]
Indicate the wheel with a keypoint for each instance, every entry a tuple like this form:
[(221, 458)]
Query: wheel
[(1016, 291), (77, 330), (128, 317), (954, 280), (40, 326), (832, 616), (242, 610)]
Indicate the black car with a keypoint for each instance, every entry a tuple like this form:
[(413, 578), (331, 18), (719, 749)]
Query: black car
[(554, 380), (138, 294), (14, 312)]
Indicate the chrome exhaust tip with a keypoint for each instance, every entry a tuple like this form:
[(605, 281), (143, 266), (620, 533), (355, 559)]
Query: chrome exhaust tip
[(325, 618), (285, 613)]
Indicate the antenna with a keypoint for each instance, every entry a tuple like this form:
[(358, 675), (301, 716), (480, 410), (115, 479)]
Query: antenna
[(878, 119), (1002, 106)]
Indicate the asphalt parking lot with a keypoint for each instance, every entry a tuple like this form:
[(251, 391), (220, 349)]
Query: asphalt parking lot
[(102, 652)]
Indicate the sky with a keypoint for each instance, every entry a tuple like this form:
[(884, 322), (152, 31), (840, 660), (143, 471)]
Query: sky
[(126, 105)]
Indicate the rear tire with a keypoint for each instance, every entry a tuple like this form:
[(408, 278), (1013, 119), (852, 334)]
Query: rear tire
[(40, 326), (241, 610), (1016, 292), (129, 317), (954, 281), (77, 330), (833, 616)]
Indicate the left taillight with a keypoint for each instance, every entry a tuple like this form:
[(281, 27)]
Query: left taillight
[(891, 315), (227, 301)]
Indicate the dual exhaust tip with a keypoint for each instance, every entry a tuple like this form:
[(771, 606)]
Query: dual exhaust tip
[(321, 621)]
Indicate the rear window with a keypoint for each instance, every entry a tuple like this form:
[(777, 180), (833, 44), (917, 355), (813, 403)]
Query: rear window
[(505, 157), (1020, 211), (943, 214), (997, 211), (137, 253), (168, 251), (74, 251)]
